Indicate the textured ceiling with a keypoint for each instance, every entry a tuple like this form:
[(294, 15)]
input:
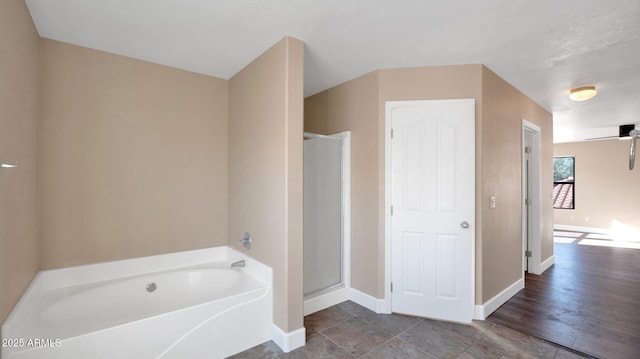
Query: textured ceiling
[(541, 47)]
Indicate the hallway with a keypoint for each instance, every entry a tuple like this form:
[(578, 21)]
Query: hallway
[(587, 301)]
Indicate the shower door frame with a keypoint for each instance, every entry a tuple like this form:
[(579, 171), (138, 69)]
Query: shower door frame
[(338, 293)]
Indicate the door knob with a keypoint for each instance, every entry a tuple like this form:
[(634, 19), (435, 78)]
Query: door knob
[(464, 224)]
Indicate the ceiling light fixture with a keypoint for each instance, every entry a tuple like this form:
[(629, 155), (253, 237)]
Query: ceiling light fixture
[(582, 93)]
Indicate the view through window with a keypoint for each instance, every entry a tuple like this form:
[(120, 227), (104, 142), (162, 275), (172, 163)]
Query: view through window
[(564, 182)]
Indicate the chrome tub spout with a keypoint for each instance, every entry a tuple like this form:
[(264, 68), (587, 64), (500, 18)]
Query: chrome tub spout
[(238, 264)]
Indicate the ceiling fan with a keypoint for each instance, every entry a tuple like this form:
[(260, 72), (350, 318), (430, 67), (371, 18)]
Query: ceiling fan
[(623, 133)]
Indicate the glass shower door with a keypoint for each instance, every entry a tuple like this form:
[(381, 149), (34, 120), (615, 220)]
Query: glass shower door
[(323, 242)]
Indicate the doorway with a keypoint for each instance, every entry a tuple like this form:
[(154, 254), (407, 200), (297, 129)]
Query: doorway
[(430, 174), (326, 250)]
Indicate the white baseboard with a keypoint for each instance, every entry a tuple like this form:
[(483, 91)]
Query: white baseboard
[(288, 341), (481, 312), (547, 264), (566, 227), (539, 269), (326, 300), (368, 301)]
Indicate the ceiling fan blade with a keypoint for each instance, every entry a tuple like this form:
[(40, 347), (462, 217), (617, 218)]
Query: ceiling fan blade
[(600, 138)]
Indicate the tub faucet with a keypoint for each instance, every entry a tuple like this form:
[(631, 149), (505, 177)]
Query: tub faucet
[(240, 263)]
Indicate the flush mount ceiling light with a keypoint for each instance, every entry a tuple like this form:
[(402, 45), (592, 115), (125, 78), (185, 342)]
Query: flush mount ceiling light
[(582, 93)]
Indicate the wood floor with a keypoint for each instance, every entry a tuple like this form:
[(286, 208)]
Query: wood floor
[(588, 301)]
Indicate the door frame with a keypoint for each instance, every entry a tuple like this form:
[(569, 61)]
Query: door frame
[(385, 306), (535, 211)]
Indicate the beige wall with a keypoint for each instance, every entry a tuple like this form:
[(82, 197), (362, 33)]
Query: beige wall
[(265, 170), (18, 142), (504, 107), (353, 107), (604, 186), (132, 157), (134, 160), (500, 109)]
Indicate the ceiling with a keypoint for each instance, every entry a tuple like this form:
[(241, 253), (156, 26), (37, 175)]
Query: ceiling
[(542, 47)]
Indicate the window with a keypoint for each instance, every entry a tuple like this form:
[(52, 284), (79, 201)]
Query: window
[(564, 187)]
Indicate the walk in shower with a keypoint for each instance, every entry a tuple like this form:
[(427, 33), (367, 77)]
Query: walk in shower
[(326, 220)]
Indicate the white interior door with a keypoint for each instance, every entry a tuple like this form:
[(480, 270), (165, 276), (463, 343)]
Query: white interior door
[(433, 208), (527, 198), (531, 200)]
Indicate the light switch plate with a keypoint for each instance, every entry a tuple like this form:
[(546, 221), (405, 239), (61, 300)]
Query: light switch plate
[(492, 202)]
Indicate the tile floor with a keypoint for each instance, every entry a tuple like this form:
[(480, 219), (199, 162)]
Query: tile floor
[(349, 330)]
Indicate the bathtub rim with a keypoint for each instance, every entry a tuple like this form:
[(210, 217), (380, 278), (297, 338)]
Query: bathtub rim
[(116, 269)]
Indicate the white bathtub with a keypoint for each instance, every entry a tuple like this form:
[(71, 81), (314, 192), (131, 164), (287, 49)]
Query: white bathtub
[(200, 308)]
